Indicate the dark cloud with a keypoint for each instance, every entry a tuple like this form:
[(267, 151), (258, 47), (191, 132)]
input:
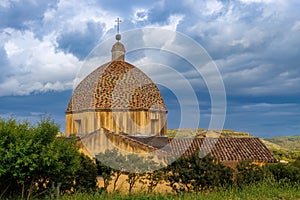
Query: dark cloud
[(263, 119), (160, 12), (81, 43), (19, 14), (173, 107), (255, 45), (265, 115), (32, 107)]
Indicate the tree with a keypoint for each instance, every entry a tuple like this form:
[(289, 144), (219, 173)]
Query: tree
[(197, 174), (32, 158), (106, 172), (248, 173), (86, 175), (178, 175), (284, 172), (114, 161), (133, 166), (21, 146), (296, 163), (154, 178)]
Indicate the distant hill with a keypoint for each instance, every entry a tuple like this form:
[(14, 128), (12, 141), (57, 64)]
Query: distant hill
[(291, 143), (272, 145), (186, 132)]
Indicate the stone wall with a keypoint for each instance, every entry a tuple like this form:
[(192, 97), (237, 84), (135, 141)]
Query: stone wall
[(134, 123)]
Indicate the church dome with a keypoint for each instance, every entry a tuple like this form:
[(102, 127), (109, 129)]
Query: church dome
[(116, 85), (119, 97)]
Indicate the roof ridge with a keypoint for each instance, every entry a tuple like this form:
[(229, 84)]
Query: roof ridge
[(131, 139), (226, 149)]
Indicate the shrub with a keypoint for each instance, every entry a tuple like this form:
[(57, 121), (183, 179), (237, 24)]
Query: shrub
[(249, 173), (284, 172), (197, 174), (33, 159)]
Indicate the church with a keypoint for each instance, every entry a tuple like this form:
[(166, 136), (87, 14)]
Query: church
[(119, 97), (117, 105)]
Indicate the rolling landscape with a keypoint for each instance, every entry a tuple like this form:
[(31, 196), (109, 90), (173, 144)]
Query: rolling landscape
[(290, 143), (149, 100), (189, 177)]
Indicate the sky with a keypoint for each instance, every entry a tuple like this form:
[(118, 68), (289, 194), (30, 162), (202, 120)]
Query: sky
[(255, 45)]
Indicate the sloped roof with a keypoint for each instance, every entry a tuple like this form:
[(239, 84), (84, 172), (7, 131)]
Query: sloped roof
[(158, 142), (224, 149), (116, 85), (119, 138)]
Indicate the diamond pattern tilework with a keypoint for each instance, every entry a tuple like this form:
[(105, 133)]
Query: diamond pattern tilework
[(116, 85)]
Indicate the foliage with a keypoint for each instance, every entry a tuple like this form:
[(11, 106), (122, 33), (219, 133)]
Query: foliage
[(32, 158), (141, 167), (86, 176), (287, 155), (153, 178), (198, 174), (284, 172), (106, 173), (113, 163), (296, 163), (34, 161), (249, 173), (20, 149), (134, 169)]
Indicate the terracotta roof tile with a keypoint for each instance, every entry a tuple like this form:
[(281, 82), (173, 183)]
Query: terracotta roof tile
[(116, 85), (155, 141), (224, 149)]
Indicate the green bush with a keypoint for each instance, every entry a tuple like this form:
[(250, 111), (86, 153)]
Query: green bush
[(33, 160), (197, 174), (85, 178), (284, 172), (296, 163), (249, 173)]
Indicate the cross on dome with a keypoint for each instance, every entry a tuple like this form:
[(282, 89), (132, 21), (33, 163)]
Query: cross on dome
[(118, 36), (118, 20), (118, 49)]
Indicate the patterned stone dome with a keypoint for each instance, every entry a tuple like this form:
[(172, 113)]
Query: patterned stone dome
[(116, 85)]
